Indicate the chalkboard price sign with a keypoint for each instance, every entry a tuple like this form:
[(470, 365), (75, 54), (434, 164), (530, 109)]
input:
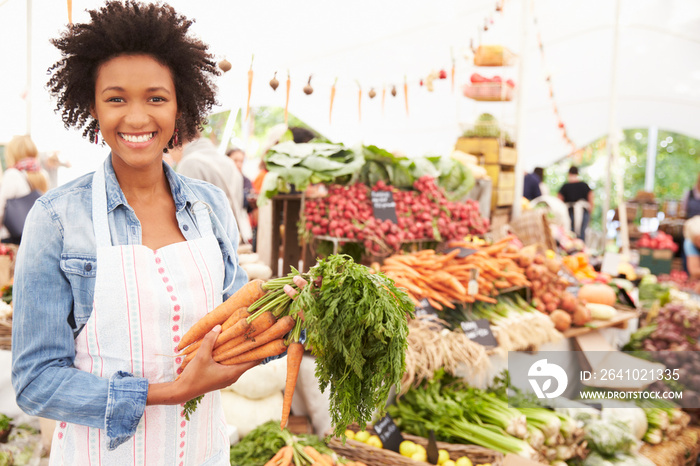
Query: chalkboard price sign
[(383, 206), (480, 332), (424, 308), (388, 433)]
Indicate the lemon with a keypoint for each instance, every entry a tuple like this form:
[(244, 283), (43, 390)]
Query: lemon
[(463, 461), (374, 441), (420, 456), (350, 434), (449, 463), (407, 448), (443, 455), (362, 436), (484, 464)]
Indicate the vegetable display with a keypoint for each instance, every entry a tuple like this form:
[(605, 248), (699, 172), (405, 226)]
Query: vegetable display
[(356, 324), (423, 214), (660, 241), (268, 445)]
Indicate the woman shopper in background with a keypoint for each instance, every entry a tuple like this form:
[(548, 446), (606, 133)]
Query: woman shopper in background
[(578, 197), (23, 177), (131, 256)]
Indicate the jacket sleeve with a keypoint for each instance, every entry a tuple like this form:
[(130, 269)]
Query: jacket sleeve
[(45, 380)]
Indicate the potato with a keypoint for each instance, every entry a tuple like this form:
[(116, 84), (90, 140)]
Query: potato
[(561, 319)]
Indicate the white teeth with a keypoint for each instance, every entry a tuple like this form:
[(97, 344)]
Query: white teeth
[(140, 138)]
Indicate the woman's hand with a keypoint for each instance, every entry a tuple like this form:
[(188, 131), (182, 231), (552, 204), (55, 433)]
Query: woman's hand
[(291, 292), (204, 375)]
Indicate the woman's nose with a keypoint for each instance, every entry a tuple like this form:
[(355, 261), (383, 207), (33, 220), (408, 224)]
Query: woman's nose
[(137, 115)]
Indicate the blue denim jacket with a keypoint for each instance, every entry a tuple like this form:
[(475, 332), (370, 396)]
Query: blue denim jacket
[(53, 296)]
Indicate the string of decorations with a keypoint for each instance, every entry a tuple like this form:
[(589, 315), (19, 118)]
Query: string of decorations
[(550, 85)]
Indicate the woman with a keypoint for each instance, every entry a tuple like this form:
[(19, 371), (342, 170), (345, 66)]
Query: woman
[(130, 256), (691, 246), (578, 196), (23, 176)]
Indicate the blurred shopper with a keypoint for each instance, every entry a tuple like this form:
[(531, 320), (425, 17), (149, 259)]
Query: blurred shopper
[(690, 204), (201, 160), (531, 186), (539, 172), (691, 246), (238, 157), (22, 183), (50, 162), (578, 197)]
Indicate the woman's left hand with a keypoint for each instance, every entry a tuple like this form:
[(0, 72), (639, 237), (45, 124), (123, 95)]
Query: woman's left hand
[(291, 292)]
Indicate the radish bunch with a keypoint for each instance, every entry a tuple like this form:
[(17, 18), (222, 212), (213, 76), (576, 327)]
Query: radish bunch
[(423, 214)]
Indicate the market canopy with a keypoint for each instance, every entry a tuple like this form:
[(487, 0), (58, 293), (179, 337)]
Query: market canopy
[(367, 44)]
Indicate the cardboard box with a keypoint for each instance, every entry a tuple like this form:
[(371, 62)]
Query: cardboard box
[(658, 261)]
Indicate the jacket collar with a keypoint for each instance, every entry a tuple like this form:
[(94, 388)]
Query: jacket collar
[(182, 195)]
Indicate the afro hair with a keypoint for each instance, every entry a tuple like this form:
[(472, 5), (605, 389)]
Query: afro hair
[(132, 28)]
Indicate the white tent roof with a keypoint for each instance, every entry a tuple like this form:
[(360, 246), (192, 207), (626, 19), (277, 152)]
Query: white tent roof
[(376, 44)]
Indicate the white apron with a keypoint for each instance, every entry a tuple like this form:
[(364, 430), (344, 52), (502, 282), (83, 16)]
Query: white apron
[(144, 302)]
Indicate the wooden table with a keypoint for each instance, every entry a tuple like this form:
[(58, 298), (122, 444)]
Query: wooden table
[(620, 320)]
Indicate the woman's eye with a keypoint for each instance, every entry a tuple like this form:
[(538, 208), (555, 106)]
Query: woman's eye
[(115, 99), (158, 99)]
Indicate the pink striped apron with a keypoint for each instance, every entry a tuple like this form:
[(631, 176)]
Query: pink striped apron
[(144, 302)]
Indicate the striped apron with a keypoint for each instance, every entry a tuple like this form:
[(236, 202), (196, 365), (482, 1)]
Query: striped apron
[(144, 302)]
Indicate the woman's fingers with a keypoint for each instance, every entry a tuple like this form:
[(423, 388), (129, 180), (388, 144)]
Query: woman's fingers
[(298, 281)]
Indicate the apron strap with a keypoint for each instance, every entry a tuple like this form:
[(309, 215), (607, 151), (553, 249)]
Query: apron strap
[(99, 209)]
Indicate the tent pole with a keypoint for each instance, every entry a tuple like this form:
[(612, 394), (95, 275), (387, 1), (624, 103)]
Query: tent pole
[(652, 140), (28, 91), (526, 19), (614, 141)]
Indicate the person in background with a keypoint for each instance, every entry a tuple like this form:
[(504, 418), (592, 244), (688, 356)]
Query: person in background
[(544, 189), (531, 186), (50, 162), (238, 157), (578, 197), (22, 176), (691, 246), (201, 160), (690, 204)]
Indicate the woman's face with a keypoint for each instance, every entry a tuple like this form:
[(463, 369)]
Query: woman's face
[(136, 107)]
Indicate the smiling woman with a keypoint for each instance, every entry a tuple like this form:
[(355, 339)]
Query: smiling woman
[(131, 255)]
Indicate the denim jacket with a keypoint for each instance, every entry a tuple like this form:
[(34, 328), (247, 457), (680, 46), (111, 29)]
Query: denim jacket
[(53, 298)]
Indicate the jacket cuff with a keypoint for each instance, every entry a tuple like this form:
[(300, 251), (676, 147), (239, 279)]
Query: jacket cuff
[(126, 403)]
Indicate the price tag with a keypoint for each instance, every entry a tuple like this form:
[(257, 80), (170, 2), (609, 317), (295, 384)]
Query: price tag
[(611, 262), (424, 308), (473, 285), (463, 252), (479, 331), (388, 433), (383, 205)]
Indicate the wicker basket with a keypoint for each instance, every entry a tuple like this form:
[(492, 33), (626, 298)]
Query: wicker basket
[(5, 334), (358, 451)]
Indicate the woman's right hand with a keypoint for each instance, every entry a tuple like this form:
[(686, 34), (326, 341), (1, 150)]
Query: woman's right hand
[(202, 375)]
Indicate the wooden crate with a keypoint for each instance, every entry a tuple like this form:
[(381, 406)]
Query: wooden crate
[(503, 156), (277, 233), (478, 146), (501, 177)]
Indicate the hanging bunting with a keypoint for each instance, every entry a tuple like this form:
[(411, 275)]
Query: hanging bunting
[(330, 111), (405, 92), (286, 101), (250, 87)]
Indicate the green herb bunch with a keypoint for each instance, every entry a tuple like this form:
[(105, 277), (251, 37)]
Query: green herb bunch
[(357, 325)]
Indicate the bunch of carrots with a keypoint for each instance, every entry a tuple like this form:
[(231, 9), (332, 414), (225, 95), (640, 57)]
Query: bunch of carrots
[(443, 279), (250, 333), (306, 455)]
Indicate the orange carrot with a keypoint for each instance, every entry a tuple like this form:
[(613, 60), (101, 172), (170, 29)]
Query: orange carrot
[(238, 314), (330, 112), (315, 455), (70, 11), (405, 92), (359, 103), (383, 97), (286, 102), (278, 330), (271, 348), (258, 326), (274, 461), (294, 356), (250, 87), (247, 295)]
